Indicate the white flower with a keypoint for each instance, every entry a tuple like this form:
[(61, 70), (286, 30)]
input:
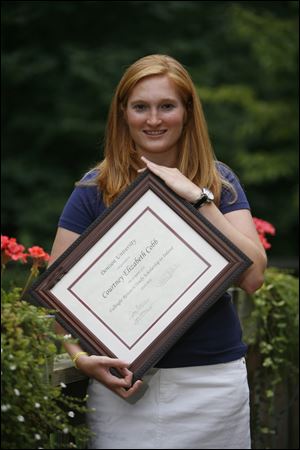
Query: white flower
[(66, 430), (57, 417), (67, 336), (12, 367), (63, 385), (21, 419), (45, 397), (10, 356), (37, 405), (17, 392), (5, 408), (71, 414), (37, 437)]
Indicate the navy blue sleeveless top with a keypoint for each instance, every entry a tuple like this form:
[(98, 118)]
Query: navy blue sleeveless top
[(217, 336)]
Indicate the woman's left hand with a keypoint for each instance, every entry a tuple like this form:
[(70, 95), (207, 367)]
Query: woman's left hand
[(175, 180)]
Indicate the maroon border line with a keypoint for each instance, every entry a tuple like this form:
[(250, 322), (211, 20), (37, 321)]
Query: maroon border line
[(83, 302)]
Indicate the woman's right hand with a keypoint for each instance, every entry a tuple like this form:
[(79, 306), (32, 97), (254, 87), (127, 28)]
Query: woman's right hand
[(98, 367)]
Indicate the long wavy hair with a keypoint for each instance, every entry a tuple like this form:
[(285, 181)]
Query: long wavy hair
[(196, 159)]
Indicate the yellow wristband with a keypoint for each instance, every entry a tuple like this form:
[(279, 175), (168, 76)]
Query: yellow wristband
[(76, 356)]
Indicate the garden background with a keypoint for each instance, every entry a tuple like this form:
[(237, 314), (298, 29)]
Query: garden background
[(61, 62)]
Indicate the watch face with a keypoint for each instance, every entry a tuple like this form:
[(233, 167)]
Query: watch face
[(209, 194)]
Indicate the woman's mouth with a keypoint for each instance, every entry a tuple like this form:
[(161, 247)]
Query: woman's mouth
[(154, 132)]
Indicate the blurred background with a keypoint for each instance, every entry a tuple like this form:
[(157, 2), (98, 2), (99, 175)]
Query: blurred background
[(61, 62)]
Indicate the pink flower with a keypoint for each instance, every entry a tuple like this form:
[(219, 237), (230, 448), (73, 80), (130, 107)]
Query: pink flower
[(264, 242), (4, 242), (264, 228), (38, 255), (11, 250), (36, 252)]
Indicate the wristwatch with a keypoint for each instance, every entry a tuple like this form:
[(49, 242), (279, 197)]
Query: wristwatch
[(206, 197)]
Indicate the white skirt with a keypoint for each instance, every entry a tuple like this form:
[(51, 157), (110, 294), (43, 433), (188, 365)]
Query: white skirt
[(203, 407)]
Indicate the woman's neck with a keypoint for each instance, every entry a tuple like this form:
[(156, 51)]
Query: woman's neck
[(167, 159)]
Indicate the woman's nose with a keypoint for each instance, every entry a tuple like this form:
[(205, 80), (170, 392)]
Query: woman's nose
[(153, 118)]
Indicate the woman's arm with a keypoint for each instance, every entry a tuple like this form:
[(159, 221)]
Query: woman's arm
[(237, 226), (94, 366)]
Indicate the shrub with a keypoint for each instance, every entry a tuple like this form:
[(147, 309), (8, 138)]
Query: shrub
[(272, 332), (34, 413)]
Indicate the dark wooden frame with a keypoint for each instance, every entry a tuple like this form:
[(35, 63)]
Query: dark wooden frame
[(238, 262)]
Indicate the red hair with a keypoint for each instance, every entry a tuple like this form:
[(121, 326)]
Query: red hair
[(196, 157)]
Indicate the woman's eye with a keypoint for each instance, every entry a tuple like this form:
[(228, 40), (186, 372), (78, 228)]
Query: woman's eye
[(139, 107), (168, 106)]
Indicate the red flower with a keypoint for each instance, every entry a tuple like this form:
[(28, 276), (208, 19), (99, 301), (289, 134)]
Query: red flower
[(264, 228), (4, 242), (38, 255), (10, 249), (264, 242)]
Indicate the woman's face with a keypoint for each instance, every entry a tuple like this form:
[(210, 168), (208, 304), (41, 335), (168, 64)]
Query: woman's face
[(155, 116)]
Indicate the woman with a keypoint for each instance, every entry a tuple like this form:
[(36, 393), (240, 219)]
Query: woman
[(197, 396)]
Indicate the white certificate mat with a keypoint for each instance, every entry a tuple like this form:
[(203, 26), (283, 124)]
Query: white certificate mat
[(132, 284), (142, 275)]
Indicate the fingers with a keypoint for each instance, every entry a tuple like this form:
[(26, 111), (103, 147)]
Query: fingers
[(113, 362), (170, 175), (122, 376), (116, 382), (161, 171), (106, 362), (179, 183), (126, 393), (151, 164), (120, 383), (145, 159)]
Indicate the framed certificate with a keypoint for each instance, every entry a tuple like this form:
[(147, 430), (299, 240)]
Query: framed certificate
[(142, 273)]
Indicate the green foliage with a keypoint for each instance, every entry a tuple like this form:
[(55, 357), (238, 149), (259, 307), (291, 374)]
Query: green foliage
[(58, 82), (272, 332), (253, 113), (33, 412)]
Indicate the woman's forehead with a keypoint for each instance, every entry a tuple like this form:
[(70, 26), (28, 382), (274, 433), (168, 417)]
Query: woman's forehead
[(155, 87)]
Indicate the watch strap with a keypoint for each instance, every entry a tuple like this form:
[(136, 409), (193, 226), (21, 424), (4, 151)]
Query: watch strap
[(202, 199)]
